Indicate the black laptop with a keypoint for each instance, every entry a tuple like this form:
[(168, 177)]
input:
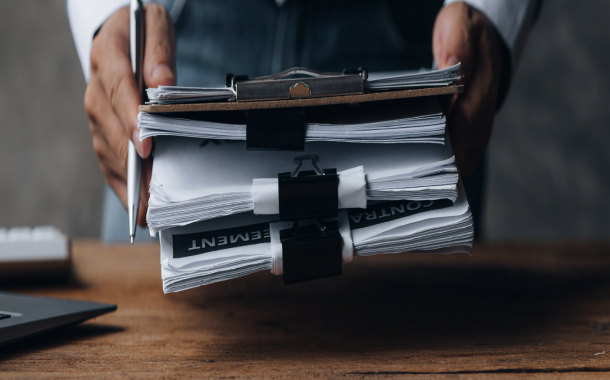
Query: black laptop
[(21, 316)]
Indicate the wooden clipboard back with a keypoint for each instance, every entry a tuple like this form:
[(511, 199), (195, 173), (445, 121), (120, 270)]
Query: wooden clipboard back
[(296, 103)]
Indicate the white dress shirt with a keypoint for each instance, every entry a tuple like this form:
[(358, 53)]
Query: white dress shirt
[(86, 17), (512, 19)]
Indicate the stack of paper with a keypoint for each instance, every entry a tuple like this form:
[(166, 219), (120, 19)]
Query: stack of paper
[(179, 94), (238, 245), (399, 121), (434, 78), (192, 181), (419, 129)]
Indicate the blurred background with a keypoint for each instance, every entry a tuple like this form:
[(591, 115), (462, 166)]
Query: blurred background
[(548, 161)]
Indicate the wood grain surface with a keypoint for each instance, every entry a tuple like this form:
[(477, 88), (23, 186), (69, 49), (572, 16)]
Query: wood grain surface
[(237, 106), (512, 310)]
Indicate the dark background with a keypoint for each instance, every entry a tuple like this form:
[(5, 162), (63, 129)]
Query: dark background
[(547, 169)]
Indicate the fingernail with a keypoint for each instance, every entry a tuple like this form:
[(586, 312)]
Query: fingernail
[(136, 141), (162, 72), (451, 61)]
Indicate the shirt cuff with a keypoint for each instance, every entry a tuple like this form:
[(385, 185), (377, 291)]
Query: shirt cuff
[(85, 19), (512, 19)]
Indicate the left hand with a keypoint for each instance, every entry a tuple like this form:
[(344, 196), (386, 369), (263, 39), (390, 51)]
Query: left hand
[(463, 34), (112, 97)]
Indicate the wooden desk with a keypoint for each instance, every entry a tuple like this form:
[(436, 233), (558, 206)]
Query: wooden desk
[(507, 311)]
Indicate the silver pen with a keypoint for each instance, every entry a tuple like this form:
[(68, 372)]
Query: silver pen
[(134, 161)]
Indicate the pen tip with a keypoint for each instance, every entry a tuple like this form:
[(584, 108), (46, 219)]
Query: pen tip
[(132, 239)]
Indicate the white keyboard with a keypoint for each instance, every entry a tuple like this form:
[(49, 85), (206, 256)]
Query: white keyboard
[(44, 243)]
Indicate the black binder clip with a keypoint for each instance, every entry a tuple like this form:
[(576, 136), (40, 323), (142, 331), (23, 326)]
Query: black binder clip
[(311, 252), (309, 194)]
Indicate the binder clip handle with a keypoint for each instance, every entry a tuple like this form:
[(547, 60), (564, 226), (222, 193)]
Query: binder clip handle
[(231, 80), (362, 70), (297, 224), (299, 161)]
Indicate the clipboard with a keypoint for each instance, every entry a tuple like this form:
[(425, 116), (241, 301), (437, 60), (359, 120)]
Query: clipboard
[(298, 103), (310, 89)]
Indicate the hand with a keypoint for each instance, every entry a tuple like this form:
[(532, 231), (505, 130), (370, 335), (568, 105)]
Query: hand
[(463, 34), (112, 98)]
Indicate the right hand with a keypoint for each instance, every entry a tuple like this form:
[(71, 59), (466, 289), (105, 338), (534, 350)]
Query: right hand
[(112, 98), (463, 34)]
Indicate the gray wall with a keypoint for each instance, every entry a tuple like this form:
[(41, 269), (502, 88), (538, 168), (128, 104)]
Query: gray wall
[(48, 170), (549, 155), (547, 160)]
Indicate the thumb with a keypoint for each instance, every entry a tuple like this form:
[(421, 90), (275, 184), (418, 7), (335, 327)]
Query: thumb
[(160, 48), (159, 54), (454, 38)]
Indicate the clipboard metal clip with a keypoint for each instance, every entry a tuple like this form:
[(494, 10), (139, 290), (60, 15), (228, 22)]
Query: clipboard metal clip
[(297, 83)]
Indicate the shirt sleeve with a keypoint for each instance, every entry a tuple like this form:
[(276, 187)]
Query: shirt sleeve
[(512, 19), (85, 19)]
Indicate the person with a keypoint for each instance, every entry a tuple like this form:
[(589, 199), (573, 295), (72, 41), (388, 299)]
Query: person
[(195, 42)]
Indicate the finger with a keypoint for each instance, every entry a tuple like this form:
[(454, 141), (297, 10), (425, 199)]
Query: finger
[(472, 116), (112, 171), (454, 38), (106, 122), (106, 154), (110, 61), (108, 161), (160, 48), (159, 67), (116, 179), (115, 175), (144, 191)]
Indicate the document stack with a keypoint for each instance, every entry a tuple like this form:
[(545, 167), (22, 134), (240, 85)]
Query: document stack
[(300, 191)]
